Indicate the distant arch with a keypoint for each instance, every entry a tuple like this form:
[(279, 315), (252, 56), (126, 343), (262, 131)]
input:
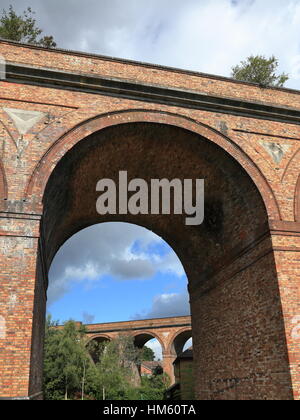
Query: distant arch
[(94, 351), (99, 337), (141, 338), (179, 339)]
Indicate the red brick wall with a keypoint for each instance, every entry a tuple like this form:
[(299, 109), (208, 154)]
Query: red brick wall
[(17, 297), (241, 316), (137, 72), (287, 264)]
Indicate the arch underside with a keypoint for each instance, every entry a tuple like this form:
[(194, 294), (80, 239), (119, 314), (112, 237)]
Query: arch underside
[(151, 151), (179, 341), (141, 339), (228, 259), (95, 346), (40, 176), (99, 338)]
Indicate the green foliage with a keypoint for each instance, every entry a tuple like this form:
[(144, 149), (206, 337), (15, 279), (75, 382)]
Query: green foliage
[(116, 367), (126, 350), (65, 360), (70, 373), (259, 69), (147, 354), (154, 387), (23, 28)]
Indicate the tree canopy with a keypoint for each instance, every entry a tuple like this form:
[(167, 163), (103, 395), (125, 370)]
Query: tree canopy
[(65, 360), (23, 28), (259, 69), (71, 373), (147, 354)]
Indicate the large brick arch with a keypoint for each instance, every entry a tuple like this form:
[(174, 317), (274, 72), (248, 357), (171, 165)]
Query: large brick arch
[(71, 146), (43, 169), (221, 274)]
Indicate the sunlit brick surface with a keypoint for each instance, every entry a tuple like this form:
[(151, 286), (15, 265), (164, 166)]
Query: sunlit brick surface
[(242, 264)]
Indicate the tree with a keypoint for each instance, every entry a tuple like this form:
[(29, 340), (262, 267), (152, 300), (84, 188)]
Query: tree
[(70, 373), (259, 69), (147, 354), (117, 369), (53, 383), (154, 387), (23, 28), (66, 361), (72, 356)]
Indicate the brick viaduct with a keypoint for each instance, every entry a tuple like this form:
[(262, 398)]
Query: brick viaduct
[(171, 333), (69, 119)]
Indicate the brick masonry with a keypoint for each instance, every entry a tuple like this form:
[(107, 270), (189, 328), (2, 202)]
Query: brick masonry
[(86, 117)]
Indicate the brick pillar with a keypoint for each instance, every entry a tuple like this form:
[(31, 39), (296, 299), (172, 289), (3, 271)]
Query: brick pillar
[(241, 318), (168, 367), (20, 305), (286, 243)]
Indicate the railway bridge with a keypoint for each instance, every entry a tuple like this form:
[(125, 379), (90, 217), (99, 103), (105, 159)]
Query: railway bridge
[(69, 119), (171, 333)]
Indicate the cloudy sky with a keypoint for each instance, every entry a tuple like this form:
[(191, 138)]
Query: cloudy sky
[(116, 272), (203, 35)]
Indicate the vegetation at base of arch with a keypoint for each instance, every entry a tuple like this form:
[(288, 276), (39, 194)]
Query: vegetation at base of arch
[(70, 373)]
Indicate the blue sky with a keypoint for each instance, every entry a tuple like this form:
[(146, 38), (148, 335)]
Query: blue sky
[(112, 300), (116, 272)]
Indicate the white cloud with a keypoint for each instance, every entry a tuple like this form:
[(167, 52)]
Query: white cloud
[(156, 347), (208, 35), (188, 344), (167, 305), (212, 36), (108, 249)]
